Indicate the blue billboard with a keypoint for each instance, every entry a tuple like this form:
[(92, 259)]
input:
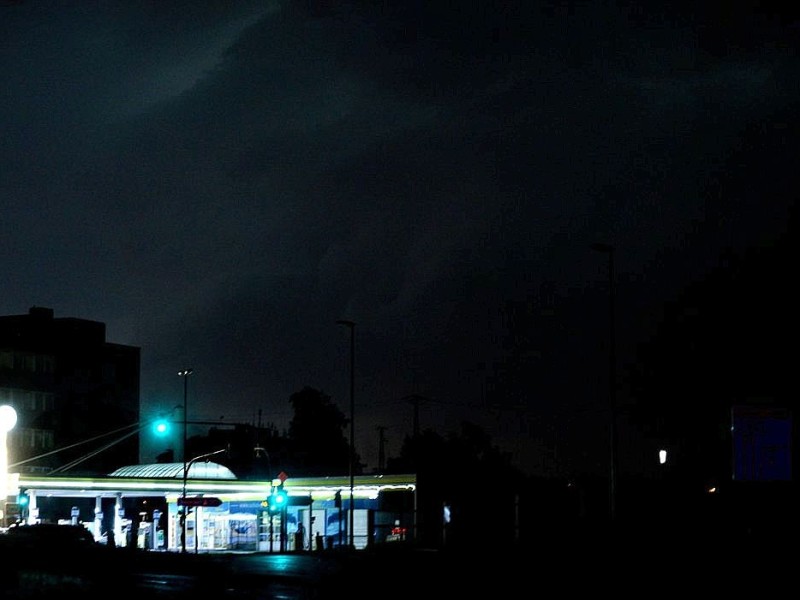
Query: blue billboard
[(762, 443)]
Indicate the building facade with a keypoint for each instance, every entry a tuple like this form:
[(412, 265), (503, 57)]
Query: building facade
[(74, 393)]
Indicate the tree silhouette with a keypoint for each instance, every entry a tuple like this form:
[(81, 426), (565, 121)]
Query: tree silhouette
[(467, 474), (317, 442), (723, 341)]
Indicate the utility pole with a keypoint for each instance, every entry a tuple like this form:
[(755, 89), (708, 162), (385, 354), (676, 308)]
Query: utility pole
[(381, 448), (612, 378), (415, 401), (351, 463)]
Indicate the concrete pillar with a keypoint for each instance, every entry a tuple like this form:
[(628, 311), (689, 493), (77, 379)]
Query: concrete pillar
[(119, 513), (33, 509), (98, 518)]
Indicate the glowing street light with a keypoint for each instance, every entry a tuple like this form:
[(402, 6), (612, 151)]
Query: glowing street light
[(8, 418)]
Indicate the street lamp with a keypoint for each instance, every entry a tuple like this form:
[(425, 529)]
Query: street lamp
[(612, 377), (185, 374), (8, 418), (352, 326), (186, 467)]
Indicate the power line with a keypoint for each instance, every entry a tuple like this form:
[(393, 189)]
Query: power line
[(137, 425), (85, 457)]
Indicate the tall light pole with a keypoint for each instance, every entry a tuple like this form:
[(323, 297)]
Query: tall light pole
[(351, 466), (185, 374), (186, 467), (612, 379), (8, 419)]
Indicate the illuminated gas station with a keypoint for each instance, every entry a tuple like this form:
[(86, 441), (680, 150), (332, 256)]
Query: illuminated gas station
[(144, 505), (201, 506)]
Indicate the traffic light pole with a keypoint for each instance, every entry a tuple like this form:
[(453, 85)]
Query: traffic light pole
[(277, 501), (338, 502), (272, 533)]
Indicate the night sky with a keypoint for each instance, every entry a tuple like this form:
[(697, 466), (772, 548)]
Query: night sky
[(220, 182)]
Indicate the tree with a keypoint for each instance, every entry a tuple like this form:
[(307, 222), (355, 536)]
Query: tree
[(316, 435), (460, 471), (723, 341), (314, 445)]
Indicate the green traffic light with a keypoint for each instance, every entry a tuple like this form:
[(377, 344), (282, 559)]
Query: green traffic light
[(161, 427), (276, 501), (23, 499)]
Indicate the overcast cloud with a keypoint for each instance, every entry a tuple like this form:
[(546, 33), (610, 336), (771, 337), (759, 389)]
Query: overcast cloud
[(219, 182)]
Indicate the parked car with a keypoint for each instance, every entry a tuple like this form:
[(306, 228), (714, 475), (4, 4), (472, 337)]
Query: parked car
[(49, 536)]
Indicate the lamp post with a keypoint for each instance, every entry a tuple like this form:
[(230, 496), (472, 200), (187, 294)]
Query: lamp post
[(351, 467), (186, 467), (612, 378), (8, 419), (185, 374)]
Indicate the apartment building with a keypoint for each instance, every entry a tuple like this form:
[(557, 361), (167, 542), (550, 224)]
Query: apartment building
[(76, 395)]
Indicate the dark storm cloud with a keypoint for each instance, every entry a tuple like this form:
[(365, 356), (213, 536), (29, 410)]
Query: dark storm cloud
[(221, 182)]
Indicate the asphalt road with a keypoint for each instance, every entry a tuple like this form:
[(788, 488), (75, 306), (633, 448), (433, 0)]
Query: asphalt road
[(621, 568)]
